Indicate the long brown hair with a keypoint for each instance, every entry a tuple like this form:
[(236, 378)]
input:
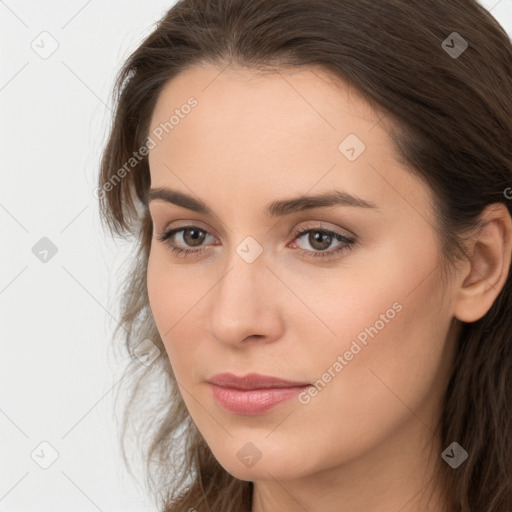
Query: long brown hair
[(450, 97)]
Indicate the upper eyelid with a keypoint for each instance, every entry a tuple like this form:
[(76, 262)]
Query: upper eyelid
[(321, 227), (189, 225), (218, 234), (294, 230)]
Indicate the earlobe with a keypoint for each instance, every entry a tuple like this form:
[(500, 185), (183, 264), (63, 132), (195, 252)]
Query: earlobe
[(488, 265)]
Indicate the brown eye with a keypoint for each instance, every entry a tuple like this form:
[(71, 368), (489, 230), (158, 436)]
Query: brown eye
[(186, 240), (320, 240), (193, 237)]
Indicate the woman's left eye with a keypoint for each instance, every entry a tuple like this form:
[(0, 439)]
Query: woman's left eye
[(319, 239)]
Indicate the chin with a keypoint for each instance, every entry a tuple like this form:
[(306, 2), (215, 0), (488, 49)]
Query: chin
[(272, 467)]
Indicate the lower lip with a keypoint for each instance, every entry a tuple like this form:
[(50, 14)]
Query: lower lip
[(253, 401)]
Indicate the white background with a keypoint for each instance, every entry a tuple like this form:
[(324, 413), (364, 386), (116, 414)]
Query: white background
[(57, 370)]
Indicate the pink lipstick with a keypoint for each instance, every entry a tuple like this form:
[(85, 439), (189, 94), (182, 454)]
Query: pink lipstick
[(252, 394)]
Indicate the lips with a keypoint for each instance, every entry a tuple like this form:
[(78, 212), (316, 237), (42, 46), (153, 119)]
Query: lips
[(252, 394), (252, 381)]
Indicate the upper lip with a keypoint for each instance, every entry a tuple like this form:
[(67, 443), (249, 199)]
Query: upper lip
[(252, 381)]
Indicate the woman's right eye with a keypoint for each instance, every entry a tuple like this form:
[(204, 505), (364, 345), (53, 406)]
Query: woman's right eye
[(190, 236)]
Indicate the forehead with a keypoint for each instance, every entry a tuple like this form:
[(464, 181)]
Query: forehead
[(239, 111), (231, 97), (261, 132)]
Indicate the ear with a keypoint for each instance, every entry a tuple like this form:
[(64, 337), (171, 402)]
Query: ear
[(484, 274)]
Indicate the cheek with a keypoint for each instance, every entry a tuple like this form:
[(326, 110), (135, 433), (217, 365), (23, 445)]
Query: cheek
[(167, 297), (390, 324), (176, 297), (392, 380), (160, 293), (172, 289)]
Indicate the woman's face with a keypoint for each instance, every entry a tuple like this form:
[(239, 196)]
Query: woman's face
[(342, 293)]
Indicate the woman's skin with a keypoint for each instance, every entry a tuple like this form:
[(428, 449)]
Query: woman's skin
[(366, 441)]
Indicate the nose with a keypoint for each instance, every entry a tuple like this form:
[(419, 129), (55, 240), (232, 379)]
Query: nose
[(244, 306)]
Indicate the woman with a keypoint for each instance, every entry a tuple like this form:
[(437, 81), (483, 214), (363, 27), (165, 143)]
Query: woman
[(320, 194)]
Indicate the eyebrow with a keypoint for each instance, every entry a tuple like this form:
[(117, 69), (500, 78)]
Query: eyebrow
[(275, 209)]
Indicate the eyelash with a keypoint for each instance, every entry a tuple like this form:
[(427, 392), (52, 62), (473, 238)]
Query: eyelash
[(347, 244)]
